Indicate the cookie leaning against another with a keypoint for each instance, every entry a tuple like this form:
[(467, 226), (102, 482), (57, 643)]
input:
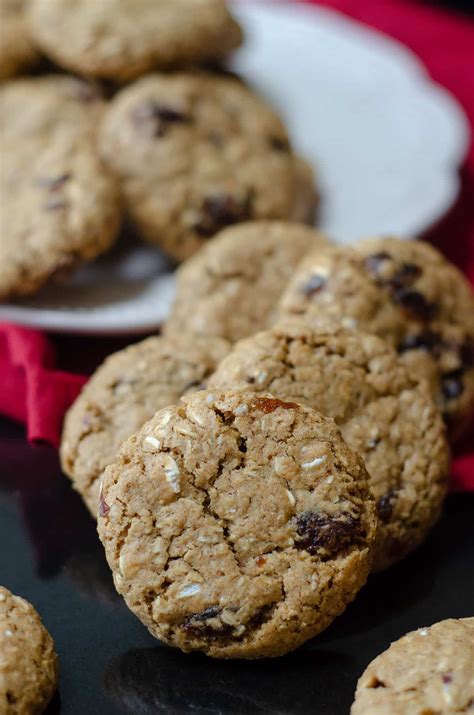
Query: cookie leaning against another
[(409, 294), (221, 531), (17, 51), (231, 286), (389, 418), (28, 661), (60, 204), (429, 670), (197, 152), (125, 392), (121, 39)]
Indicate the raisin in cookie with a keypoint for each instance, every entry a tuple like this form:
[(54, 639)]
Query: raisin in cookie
[(28, 661), (197, 152), (121, 39), (426, 672), (231, 286), (389, 418), (17, 51), (237, 524), (124, 393), (406, 292), (60, 204)]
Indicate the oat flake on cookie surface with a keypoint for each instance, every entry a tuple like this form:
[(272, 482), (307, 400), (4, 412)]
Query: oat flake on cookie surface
[(230, 537)]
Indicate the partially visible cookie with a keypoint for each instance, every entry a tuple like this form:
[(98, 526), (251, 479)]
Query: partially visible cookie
[(59, 208), (426, 672), (409, 294), (60, 204), (197, 152), (46, 106), (389, 418), (121, 39), (232, 285), (17, 51), (28, 661), (125, 392), (226, 535)]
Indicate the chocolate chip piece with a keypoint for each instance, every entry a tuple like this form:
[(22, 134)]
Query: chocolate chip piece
[(53, 183), (415, 303), (427, 340), (280, 144), (222, 210), (314, 285), (406, 275), (385, 506), (374, 262), (155, 118), (447, 678), (466, 352), (207, 623), (242, 444), (452, 385), (270, 404), (325, 532)]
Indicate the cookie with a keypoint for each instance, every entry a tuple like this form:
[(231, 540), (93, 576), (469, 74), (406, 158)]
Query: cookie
[(60, 204), (409, 294), (225, 533), (48, 105), (425, 672), (197, 152), (17, 51), (28, 661), (386, 416), (125, 392), (121, 39), (231, 286)]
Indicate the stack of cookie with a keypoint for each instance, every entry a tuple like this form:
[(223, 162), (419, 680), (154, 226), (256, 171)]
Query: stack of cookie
[(181, 150)]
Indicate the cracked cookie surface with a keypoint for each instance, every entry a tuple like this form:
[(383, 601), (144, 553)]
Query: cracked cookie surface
[(28, 661), (17, 51), (197, 152), (125, 392), (60, 205), (409, 294), (239, 525), (389, 418), (121, 39), (429, 670), (231, 286)]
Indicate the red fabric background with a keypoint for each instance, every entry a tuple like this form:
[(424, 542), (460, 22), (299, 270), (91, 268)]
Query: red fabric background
[(34, 388)]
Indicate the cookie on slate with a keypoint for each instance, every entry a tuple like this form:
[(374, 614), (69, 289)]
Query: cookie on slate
[(406, 292), (48, 105), (223, 532), (389, 418), (124, 393), (28, 661), (60, 205), (17, 51), (121, 39), (427, 671), (232, 285), (197, 152)]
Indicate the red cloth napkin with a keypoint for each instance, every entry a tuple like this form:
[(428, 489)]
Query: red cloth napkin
[(36, 392)]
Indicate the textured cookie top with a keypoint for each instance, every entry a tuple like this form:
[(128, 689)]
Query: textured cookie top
[(231, 286), (120, 39), (406, 292), (427, 671), (237, 524), (389, 418), (16, 47), (28, 662), (45, 106), (59, 207), (124, 393), (198, 152)]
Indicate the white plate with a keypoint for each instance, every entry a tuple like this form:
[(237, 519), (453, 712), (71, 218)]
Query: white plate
[(386, 140)]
